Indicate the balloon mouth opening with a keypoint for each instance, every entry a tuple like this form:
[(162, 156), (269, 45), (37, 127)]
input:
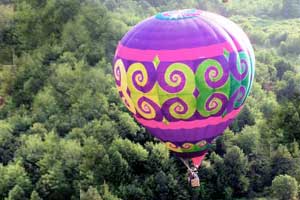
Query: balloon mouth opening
[(196, 158), (190, 154)]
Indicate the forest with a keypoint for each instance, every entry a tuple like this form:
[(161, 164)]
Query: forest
[(65, 134)]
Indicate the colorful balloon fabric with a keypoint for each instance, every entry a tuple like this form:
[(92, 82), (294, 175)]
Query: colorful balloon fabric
[(184, 75)]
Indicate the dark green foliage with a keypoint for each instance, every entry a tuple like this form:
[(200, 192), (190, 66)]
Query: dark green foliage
[(259, 171), (288, 121), (283, 66), (291, 8), (290, 46), (8, 144), (245, 118), (235, 169)]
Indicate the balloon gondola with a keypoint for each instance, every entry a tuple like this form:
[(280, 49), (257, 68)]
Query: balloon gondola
[(185, 75)]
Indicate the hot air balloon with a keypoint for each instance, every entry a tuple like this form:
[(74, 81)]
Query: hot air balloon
[(185, 75)]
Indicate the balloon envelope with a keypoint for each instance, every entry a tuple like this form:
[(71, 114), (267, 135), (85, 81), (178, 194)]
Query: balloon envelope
[(184, 75)]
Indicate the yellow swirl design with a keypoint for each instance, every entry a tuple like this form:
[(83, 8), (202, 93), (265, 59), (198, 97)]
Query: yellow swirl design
[(141, 77), (143, 91), (175, 75), (202, 143), (188, 147), (182, 109), (178, 82), (172, 147), (120, 75), (146, 109)]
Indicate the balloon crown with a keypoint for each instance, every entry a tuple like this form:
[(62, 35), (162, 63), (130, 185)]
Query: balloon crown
[(178, 14)]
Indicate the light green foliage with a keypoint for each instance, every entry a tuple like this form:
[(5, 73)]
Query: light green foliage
[(290, 46), (16, 193), (33, 32), (158, 156), (269, 106), (44, 105), (94, 163), (106, 194), (6, 20), (285, 187), (248, 139), (53, 160), (6, 16), (133, 153), (91, 194), (127, 126), (35, 196), (294, 149), (256, 8), (288, 120), (14, 180)]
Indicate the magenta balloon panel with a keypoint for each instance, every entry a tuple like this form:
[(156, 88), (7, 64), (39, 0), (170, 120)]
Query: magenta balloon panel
[(184, 75)]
